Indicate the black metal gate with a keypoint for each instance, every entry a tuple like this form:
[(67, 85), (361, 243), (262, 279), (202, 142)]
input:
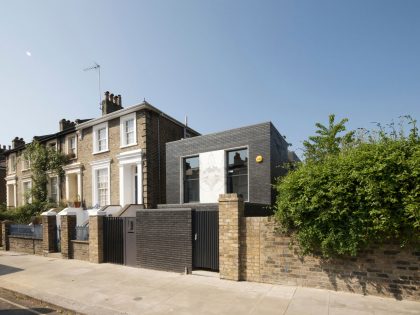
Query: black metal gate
[(113, 240), (206, 240)]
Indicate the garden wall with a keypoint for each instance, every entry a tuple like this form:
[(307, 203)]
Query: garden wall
[(261, 254), (25, 245), (80, 250)]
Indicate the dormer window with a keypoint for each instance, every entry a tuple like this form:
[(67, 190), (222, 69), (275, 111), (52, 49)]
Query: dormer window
[(128, 130), (100, 138)]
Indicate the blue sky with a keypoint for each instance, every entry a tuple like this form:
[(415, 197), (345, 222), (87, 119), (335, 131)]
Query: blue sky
[(225, 64)]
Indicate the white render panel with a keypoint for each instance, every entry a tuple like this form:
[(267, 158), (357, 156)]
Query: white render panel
[(212, 176)]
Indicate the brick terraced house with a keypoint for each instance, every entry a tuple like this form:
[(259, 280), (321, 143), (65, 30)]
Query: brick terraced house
[(122, 154), (116, 159), (18, 174)]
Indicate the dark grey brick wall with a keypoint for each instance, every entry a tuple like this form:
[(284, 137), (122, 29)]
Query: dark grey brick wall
[(279, 156), (164, 239), (257, 138), (192, 206)]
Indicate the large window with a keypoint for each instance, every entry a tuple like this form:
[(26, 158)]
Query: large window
[(72, 146), (191, 179), (27, 198), (12, 163), (100, 138), (237, 172), (102, 186), (26, 163), (54, 189), (128, 130)]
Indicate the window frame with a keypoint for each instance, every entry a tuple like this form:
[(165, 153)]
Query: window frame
[(57, 187), (26, 163), (183, 161), (227, 151), (97, 166), (95, 138), (12, 163), (69, 148), (123, 133), (25, 200)]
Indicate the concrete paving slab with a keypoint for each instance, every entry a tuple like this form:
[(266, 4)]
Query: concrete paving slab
[(112, 289)]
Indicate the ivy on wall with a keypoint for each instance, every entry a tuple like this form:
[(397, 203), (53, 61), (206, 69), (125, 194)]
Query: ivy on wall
[(44, 161)]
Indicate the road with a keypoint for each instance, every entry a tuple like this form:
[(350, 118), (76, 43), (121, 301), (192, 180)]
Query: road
[(12, 303)]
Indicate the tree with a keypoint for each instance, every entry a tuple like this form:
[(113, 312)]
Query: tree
[(44, 161), (327, 141)]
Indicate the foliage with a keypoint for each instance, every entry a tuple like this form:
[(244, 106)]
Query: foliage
[(43, 160), (348, 195), (327, 141), (25, 214)]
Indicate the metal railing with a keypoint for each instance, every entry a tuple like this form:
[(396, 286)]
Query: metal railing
[(33, 231), (82, 233)]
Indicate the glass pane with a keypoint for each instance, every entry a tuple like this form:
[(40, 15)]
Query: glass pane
[(237, 172), (102, 186), (191, 179)]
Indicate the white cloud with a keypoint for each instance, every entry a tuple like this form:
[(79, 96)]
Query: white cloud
[(28, 53)]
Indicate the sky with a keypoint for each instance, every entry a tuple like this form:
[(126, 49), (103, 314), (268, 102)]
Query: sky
[(223, 63)]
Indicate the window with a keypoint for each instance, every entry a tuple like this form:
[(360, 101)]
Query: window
[(191, 179), (26, 163), (27, 198), (53, 145), (12, 163), (101, 182), (128, 130), (100, 138), (54, 189), (237, 172), (72, 146), (102, 186)]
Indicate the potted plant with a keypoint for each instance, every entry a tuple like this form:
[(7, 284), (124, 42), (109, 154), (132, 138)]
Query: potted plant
[(77, 203)]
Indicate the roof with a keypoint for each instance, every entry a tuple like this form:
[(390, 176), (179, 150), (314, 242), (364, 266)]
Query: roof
[(48, 137), (142, 106)]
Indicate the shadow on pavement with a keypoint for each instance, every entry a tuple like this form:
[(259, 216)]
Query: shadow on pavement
[(4, 269)]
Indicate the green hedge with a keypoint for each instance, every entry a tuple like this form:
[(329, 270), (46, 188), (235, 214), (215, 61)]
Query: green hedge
[(367, 193)]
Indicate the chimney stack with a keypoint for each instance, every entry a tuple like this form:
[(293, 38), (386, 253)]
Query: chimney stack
[(65, 124), (111, 103), (17, 142)]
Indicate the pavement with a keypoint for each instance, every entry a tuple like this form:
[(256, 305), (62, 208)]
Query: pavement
[(112, 289)]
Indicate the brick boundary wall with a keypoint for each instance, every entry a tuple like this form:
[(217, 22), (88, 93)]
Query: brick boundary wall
[(80, 250), (5, 225), (164, 239), (96, 239), (49, 233), (68, 225), (27, 245), (267, 256)]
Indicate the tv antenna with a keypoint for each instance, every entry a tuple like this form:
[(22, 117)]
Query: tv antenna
[(97, 67)]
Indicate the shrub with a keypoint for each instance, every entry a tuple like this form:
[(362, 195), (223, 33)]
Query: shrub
[(366, 192)]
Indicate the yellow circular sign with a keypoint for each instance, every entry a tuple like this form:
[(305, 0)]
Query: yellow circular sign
[(259, 159)]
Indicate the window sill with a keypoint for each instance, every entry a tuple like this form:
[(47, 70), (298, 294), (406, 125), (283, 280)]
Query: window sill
[(128, 145), (99, 152)]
